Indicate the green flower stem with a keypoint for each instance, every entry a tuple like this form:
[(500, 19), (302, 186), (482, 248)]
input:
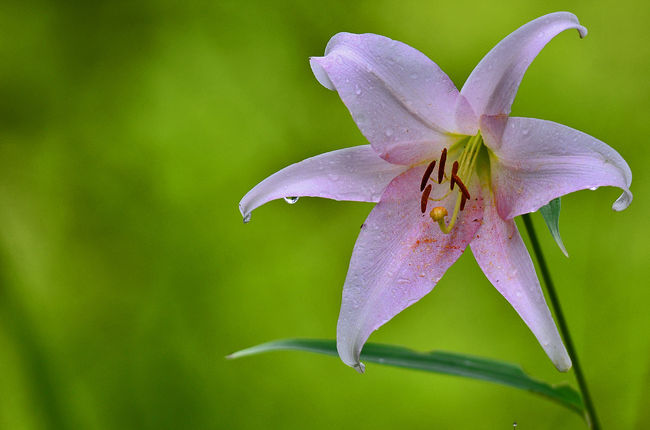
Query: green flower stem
[(590, 411)]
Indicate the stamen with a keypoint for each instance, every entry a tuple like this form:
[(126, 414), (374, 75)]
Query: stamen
[(463, 167), (439, 199), (441, 167), (427, 175), (454, 170), (463, 188), (472, 156), (425, 198)]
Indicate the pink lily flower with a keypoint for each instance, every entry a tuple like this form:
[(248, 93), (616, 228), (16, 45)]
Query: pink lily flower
[(448, 169)]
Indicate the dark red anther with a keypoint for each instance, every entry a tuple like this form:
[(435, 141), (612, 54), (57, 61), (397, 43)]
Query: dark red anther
[(454, 170), (463, 188), (441, 166), (427, 175), (425, 198), (462, 202)]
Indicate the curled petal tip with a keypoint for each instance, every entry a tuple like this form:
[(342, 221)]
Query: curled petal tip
[(582, 31), (320, 73), (558, 354), (359, 367), (565, 365), (622, 202), (246, 216)]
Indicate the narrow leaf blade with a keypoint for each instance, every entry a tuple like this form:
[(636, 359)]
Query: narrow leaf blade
[(437, 362), (551, 215)]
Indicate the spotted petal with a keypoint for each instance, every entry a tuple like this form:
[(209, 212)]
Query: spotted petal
[(537, 161), (493, 84), (398, 258), (400, 99), (504, 259), (355, 173)]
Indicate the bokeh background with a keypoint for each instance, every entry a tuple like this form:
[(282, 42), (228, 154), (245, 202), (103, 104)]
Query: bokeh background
[(129, 131)]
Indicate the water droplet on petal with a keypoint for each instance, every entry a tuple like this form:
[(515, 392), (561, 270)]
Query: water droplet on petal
[(525, 132), (247, 218), (333, 177), (389, 132), (593, 188), (291, 200), (357, 90), (414, 75)]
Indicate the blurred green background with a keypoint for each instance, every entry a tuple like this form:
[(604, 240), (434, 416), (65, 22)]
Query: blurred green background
[(129, 131)]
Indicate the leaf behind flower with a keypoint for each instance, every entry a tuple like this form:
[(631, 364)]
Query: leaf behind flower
[(449, 363)]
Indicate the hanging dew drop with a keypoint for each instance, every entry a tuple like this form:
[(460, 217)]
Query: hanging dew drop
[(291, 200)]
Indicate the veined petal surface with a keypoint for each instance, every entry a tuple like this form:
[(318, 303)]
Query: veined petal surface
[(402, 102), (537, 161), (493, 84), (399, 257), (504, 259), (355, 173)]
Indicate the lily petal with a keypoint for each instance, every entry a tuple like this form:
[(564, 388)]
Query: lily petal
[(505, 261), (355, 173), (537, 161), (493, 84), (398, 258), (402, 102)]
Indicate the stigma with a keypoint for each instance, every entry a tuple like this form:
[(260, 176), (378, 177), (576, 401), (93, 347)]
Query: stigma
[(438, 213), (461, 173)]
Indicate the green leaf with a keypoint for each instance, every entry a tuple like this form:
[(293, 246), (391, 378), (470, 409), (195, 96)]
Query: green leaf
[(551, 214), (438, 362)]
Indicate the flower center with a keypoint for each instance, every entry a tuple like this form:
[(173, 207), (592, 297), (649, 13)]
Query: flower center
[(461, 174)]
